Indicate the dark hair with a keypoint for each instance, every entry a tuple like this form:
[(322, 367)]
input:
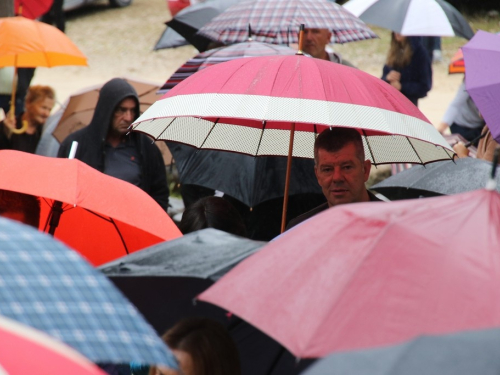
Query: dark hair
[(212, 349), (29, 205), (399, 54), (212, 212), (336, 138)]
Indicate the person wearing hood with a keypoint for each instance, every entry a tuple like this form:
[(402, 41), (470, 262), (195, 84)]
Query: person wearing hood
[(408, 67), (105, 145)]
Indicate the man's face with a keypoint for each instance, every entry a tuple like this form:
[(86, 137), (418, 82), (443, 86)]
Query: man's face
[(123, 116), (342, 175), (39, 111), (315, 41)]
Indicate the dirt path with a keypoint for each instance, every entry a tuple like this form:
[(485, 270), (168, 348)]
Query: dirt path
[(119, 43)]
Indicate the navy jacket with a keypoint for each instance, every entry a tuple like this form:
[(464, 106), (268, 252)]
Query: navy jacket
[(416, 78)]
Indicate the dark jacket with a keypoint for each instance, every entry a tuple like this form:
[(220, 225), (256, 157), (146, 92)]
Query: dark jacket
[(20, 142), (416, 77), (320, 208), (91, 141)]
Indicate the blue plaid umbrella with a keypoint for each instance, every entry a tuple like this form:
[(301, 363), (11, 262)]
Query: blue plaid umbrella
[(46, 285)]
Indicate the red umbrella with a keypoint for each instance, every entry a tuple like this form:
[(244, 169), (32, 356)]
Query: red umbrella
[(103, 217), (373, 274), (276, 105), (25, 350), (32, 9)]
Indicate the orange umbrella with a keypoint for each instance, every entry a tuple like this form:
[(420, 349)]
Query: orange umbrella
[(26, 43), (457, 64), (103, 218)]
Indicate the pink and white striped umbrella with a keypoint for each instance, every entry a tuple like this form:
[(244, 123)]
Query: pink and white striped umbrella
[(278, 21), (251, 105)]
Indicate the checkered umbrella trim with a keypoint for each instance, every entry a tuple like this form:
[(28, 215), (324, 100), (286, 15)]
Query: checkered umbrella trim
[(278, 22), (47, 286), (223, 54)]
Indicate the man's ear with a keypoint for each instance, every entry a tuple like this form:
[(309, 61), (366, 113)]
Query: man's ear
[(368, 166), (316, 172)]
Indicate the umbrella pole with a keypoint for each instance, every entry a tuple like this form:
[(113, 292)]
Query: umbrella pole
[(287, 179), (12, 111), (55, 216)]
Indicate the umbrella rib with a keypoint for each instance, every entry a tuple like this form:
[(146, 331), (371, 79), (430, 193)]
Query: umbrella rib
[(416, 153), (119, 234), (260, 139), (164, 130), (369, 147), (210, 132)]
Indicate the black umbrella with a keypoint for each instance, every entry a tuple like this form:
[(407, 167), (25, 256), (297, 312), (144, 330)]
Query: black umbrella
[(441, 178), (189, 20), (170, 39), (163, 280), (251, 180), (464, 353)]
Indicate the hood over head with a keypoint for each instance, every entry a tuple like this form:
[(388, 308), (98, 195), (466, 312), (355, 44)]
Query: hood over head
[(110, 95)]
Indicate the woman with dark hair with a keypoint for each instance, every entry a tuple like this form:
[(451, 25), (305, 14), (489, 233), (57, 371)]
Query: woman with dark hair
[(212, 212), (408, 67), (202, 347)]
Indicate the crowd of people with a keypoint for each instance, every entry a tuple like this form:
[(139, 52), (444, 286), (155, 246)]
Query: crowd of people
[(200, 345)]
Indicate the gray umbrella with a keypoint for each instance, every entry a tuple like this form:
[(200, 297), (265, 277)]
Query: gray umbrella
[(170, 39), (441, 178), (464, 353), (413, 17), (189, 20), (163, 280)]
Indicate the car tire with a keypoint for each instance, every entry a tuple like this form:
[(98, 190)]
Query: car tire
[(120, 3)]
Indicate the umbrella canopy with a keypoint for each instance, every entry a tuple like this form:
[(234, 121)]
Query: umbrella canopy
[(162, 280), (246, 178), (49, 287), (103, 217), (464, 353), (278, 21), (482, 81), (412, 17), (25, 43), (250, 105), (32, 9), (170, 39), (24, 350), (189, 20), (215, 56), (371, 274), (457, 64), (79, 109), (441, 178)]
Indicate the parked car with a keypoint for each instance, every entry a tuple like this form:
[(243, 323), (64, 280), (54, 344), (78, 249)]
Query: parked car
[(72, 4)]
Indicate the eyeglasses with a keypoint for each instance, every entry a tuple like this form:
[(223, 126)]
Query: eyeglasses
[(120, 111)]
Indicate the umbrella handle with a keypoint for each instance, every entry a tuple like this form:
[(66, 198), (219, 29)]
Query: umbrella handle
[(492, 183)]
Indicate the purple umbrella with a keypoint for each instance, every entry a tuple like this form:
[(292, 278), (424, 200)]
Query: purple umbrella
[(482, 77)]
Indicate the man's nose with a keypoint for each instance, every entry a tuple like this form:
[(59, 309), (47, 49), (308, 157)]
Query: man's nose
[(337, 175), (129, 116)]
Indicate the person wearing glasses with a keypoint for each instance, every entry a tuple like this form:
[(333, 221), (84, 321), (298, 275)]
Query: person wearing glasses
[(106, 144)]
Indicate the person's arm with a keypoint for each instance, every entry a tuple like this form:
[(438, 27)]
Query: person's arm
[(158, 178), (458, 101)]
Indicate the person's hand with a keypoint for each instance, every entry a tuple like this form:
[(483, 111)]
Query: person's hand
[(393, 76), (10, 121), (396, 85), (442, 127), (461, 150)]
